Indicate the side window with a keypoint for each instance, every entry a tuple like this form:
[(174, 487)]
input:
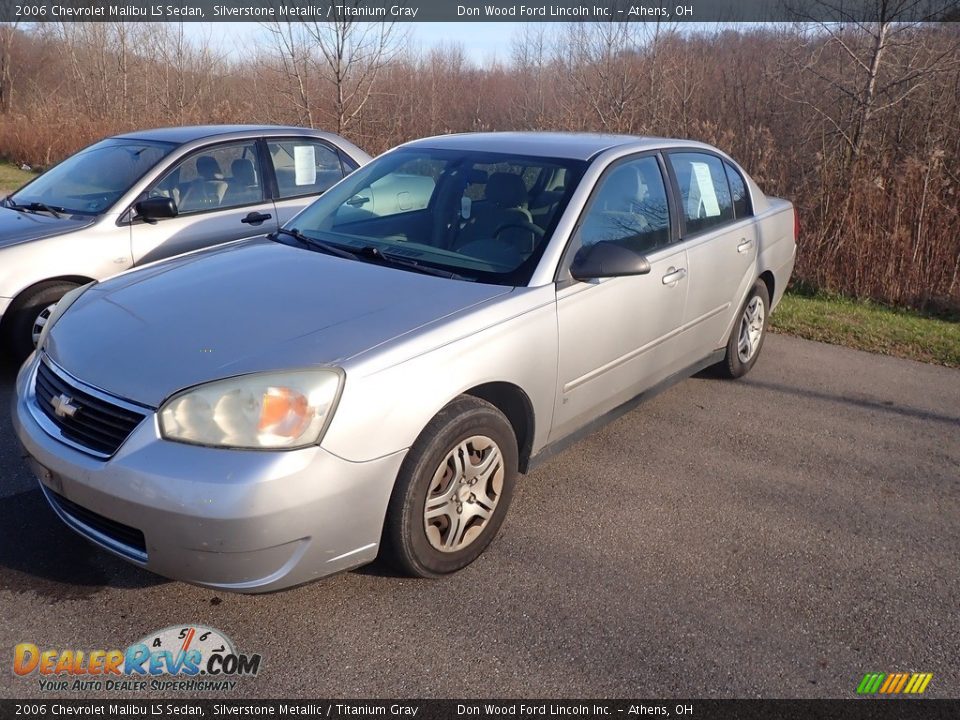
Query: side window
[(304, 166), (214, 178), (738, 189), (704, 193), (629, 207)]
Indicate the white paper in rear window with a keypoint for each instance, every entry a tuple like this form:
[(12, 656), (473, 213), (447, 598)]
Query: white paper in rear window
[(305, 165), (702, 192)]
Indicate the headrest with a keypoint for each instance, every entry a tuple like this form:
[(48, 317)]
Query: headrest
[(506, 190), (208, 168), (624, 187), (243, 171)]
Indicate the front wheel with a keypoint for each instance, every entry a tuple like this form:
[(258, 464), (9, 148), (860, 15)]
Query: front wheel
[(28, 315), (453, 490), (748, 333)]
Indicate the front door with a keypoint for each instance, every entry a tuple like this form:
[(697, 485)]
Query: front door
[(220, 196), (617, 336)]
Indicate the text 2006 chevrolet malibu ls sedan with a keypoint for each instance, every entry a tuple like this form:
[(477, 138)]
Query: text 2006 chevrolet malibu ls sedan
[(374, 376)]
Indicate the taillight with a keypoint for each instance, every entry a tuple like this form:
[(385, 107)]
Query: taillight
[(796, 226)]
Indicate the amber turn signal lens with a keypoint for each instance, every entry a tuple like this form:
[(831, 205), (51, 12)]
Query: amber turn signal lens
[(283, 412)]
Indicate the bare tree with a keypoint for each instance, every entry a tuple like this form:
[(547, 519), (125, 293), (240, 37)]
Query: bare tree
[(351, 57), (600, 61), (293, 51), (863, 68), (530, 59), (8, 35)]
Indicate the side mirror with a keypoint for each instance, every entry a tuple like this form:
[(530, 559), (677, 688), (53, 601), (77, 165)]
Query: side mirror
[(156, 208), (605, 260)]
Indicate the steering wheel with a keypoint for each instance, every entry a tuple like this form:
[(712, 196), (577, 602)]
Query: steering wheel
[(535, 229)]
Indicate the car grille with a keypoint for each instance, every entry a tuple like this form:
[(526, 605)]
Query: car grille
[(118, 533), (96, 424)]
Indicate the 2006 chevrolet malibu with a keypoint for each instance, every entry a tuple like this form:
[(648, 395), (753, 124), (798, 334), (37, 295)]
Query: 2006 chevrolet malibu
[(374, 376)]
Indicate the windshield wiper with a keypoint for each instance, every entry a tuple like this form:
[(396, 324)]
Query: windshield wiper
[(320, 245), (368, 253), (376, 254), (34, 207)]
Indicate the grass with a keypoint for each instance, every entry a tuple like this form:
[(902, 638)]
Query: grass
[(870, 326), (12, 177)]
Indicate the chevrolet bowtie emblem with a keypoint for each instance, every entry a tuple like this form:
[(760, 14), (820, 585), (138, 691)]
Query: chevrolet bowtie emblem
[(63, 406)]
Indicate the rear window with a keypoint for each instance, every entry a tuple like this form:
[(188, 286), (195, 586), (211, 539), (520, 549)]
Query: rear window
[(704, 193)]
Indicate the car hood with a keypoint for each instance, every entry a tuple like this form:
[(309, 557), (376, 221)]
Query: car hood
[(256, 306), (18, 227)]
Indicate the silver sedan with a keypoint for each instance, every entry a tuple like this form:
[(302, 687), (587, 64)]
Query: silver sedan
[(148, 195), (373, 377)]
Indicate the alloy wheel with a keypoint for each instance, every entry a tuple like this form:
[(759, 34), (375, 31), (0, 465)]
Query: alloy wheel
[(463, 494), (751, 329)]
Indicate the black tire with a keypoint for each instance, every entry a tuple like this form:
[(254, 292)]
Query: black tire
[(24, 312), (405, 536), (733, 365)]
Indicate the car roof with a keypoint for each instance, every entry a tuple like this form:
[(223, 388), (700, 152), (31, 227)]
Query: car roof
[(189, 133), (569, 145)]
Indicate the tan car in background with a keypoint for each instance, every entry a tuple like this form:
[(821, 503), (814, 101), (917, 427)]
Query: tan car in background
[(148, 195)]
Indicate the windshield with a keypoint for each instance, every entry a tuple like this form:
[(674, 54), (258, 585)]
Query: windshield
[(483, 216), (91, 181)]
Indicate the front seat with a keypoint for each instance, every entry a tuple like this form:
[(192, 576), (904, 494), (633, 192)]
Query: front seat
[(616, 213), (242, 187), (208, 189), (506, 201)]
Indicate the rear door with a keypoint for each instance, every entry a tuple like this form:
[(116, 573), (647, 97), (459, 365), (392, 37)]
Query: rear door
[(617, 335), (719, 236), (303, 168), (220, 195)]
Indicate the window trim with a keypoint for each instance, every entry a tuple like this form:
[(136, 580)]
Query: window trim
[(682, 216), (562, 273), (273, 172), (129, 217)]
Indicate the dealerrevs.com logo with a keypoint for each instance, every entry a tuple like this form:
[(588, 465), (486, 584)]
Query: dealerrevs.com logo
[(180, 657)]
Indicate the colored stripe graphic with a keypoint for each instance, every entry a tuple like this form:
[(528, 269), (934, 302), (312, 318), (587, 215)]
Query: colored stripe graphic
[(891, 681), (894, 683), (870, 683)]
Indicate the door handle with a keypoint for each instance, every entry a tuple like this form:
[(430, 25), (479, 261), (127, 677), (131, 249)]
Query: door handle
[(256, 218), (674, 275), (744, 245)]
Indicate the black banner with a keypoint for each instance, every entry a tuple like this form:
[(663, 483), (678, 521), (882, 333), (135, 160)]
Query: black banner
[(862, 709), (475, 10)]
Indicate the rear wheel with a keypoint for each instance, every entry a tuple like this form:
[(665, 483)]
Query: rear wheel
[(748, 333), (453, 490), (29, 314)]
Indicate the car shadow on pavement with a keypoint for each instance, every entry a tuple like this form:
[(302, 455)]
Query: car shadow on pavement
[(864, 402), (39, 555)]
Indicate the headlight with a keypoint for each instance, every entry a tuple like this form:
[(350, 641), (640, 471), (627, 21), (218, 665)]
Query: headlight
[(261, 411), (62, 305)]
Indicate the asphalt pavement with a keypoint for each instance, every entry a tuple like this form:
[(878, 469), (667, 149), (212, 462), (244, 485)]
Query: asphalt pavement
[(777, 536)]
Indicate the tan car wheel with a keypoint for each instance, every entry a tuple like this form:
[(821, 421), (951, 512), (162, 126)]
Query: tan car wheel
[(29, 314)]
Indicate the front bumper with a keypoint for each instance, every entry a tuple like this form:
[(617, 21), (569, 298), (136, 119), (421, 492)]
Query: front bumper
[(249, 521)]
